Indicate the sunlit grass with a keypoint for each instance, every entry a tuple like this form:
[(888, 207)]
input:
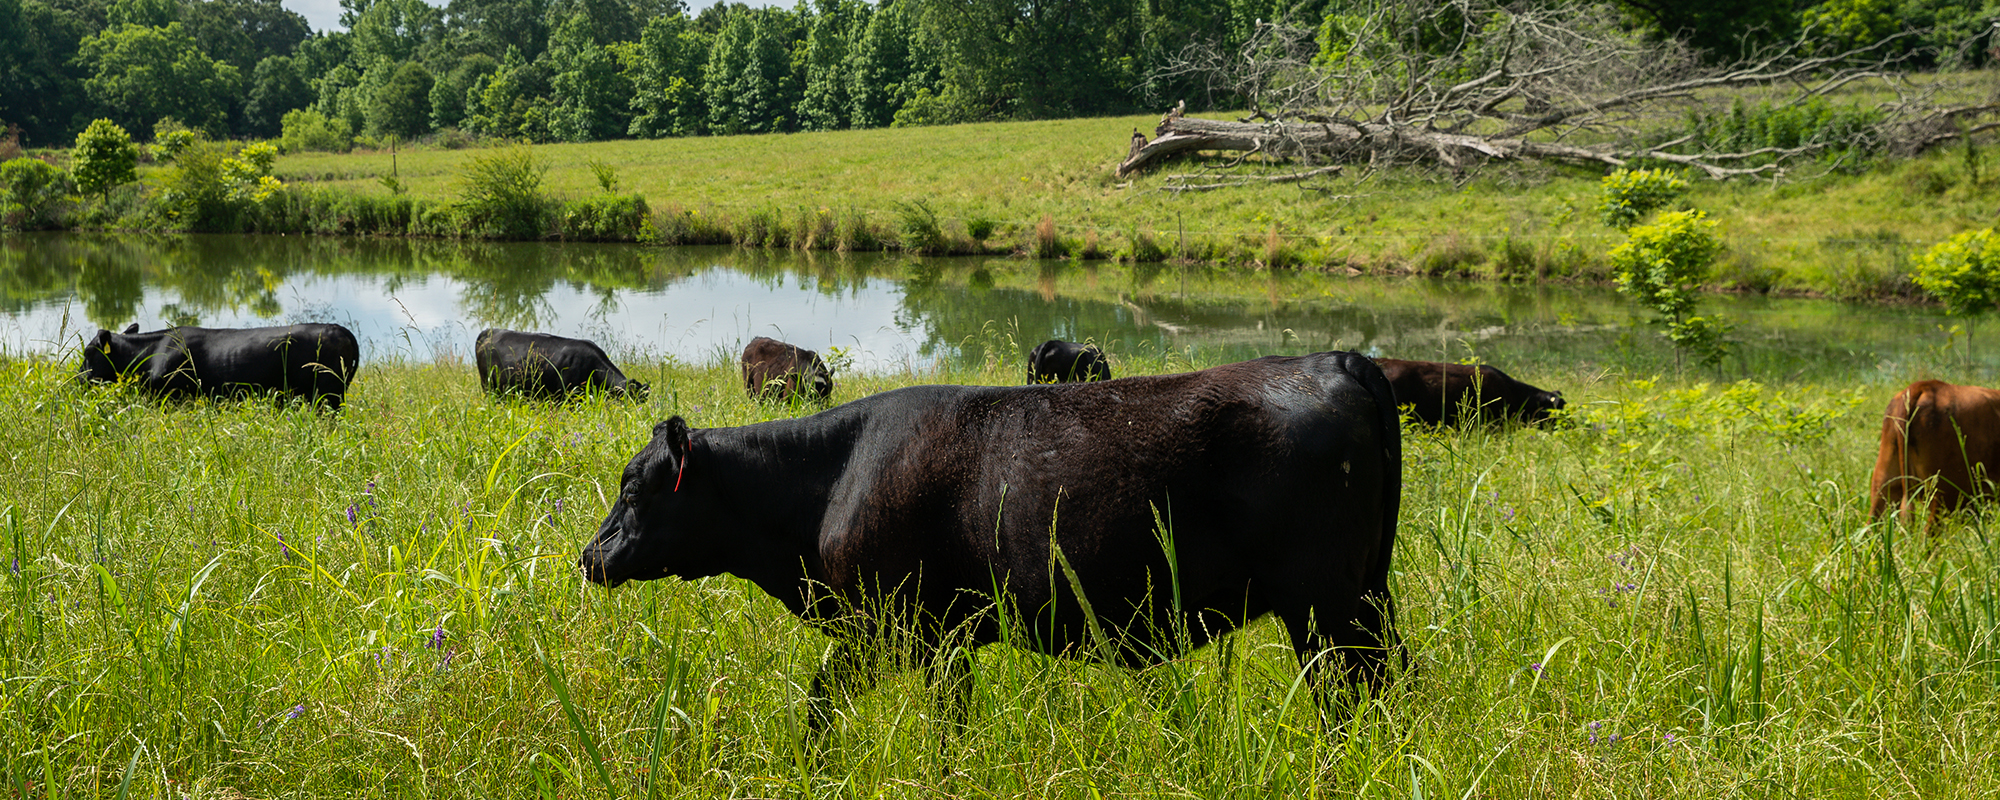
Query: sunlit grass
[(1675, 595), (1049, 186)]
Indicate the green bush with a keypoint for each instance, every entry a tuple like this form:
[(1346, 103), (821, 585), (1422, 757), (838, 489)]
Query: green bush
[(305, 129), (33, 192), (501, 194), (1629, 194), (918, 229), (1962, 272), (606, 218), (1662, 266)]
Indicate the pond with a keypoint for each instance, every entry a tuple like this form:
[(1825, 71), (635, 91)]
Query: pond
[(420, 299)]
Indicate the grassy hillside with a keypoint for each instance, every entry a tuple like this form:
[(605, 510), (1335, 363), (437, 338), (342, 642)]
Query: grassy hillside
[(1677, 595), (1843, 235)]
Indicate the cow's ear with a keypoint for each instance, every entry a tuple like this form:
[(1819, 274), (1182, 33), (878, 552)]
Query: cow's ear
[(676, 431), (132, 329)]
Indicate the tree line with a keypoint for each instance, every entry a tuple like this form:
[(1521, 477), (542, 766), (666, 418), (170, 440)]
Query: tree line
[(585, 70)]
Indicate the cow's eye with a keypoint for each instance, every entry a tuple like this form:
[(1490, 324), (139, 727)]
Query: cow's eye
[(631, 498)]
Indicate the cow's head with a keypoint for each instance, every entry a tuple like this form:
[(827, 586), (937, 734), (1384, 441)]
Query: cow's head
[(1541, 405), (106, 355), (635, 390), (818, 377), (652, 530)]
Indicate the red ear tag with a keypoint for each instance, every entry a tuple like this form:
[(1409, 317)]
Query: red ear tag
[(679, 472)]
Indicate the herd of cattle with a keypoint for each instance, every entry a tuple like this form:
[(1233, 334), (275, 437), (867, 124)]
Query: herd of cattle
[(1265, 486)]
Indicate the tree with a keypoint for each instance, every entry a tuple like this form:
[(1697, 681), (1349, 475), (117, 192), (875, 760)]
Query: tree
[(590, 94), (104, 157), (493, 26), (665, 70), (275, 88), (749, 85), (41, 83), (142, 74), (448, 93), (401, 105), (243, 33), (831, 31)]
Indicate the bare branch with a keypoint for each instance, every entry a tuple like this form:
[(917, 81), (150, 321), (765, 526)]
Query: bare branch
[(1457, 83)]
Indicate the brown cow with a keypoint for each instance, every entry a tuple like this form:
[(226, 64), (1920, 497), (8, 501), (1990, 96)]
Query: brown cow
[(1937, 438), (1438, 390), (774, 369)]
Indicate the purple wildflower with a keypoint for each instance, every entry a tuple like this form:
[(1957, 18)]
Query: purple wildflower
[(1670, 738), (1536, 667), (350, 513), (1507, 513), (437, 637), (284, 550), (1614, 738), (445, 663), (559, 505), (17, 565), (296, 712)]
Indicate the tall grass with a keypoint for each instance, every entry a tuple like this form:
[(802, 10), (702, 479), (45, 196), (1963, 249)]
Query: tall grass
[(1673, 593)]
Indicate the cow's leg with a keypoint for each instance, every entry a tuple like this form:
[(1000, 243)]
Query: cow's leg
[(847, 669)]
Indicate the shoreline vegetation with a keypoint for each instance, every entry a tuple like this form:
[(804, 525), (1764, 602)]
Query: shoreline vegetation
[(1677, 589), (946, 190)]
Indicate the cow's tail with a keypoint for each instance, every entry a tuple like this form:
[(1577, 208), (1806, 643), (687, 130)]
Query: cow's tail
[(1906, 425), (1378, 612)]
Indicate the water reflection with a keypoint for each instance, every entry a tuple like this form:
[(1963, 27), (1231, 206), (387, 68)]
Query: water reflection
[(416, 298)]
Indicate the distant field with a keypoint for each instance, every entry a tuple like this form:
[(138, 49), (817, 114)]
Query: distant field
[(1842, 235), (1679, 595)]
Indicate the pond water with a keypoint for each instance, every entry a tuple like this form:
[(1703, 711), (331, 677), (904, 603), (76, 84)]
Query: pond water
[(413, 299)]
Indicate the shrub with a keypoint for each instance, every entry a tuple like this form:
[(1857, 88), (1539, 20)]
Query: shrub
[(1629, 194), (104, 157), (501, 193), (1661, 266), (33, 189), (979, 228), (305, 129), (917, 227), (1840, 134), (606, 218), (1962, 272)]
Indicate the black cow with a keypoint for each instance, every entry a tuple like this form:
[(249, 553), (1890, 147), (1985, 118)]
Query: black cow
[(1278, 481), (313, 361), (1440, 391), (543, 365), (1057, 361), (775, 370)]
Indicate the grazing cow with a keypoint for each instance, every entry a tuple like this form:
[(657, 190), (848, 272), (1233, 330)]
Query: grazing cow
[(1439, 391), (1940, 436), (1057, 361), (313, 361), (774, 369), (545, 366), (1183, 506)]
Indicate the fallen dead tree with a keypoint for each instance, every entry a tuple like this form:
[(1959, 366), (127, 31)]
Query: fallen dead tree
[(1459, 83)]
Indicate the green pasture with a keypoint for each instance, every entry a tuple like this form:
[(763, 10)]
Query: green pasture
[(1674, 594), (1839, 234)]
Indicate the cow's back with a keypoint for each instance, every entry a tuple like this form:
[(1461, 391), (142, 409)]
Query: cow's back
[(1940, 435), (311, 360), (1242, 465)]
